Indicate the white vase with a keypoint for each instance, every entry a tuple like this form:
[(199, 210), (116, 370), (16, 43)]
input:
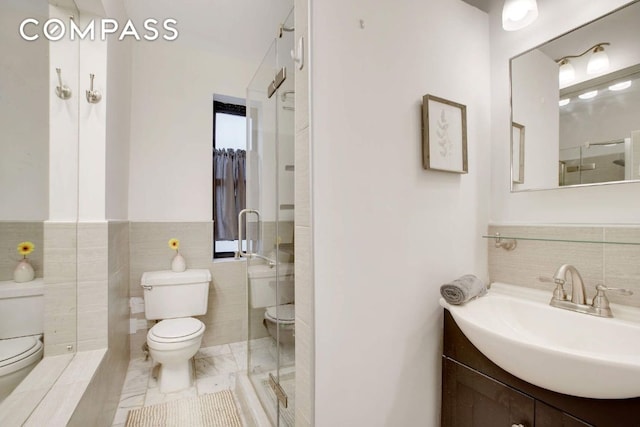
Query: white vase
[(23, 272), (178, 264)]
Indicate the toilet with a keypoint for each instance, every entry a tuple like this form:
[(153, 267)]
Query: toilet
[(21, 328), (172, 298), (279, 307)]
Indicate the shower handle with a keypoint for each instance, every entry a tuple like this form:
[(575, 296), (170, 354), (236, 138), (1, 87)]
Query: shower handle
[(242, 214)]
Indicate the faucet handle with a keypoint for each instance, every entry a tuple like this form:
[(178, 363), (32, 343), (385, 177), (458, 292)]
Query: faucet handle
[(621, 291), (600, 300), (558, 293)]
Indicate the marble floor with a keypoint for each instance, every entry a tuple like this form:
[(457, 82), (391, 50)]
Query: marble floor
[(216, 369)]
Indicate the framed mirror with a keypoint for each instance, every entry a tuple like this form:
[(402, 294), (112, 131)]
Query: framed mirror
[(578, 96)]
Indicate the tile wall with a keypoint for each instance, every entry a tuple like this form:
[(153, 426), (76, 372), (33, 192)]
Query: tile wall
[(615, 265), (304, 348), (60, 313), (92, 292), (103, 316)]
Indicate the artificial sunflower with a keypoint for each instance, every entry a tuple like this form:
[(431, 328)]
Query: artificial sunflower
[(174, 244), (25, 248)]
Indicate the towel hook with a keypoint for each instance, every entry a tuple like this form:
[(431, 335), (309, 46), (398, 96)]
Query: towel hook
[(62, 91), (93, 96)]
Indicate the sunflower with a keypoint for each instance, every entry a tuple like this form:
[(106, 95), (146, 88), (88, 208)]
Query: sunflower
[(174, 244), (25, 248)]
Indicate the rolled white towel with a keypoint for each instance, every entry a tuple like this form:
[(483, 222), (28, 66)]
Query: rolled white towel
[(463, 289)]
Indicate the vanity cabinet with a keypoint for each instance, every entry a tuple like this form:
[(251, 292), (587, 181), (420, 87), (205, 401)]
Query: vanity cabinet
[(478, 393)]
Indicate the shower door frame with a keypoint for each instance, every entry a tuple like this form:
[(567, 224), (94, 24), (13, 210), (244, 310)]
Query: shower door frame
[(269, 122)]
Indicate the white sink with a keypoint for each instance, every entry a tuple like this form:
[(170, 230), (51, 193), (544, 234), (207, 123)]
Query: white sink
[(560, 350)]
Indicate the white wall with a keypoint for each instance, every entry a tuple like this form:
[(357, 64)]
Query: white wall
[(24, 115), (92, 128), (602, 204), (118, 117), (63, 125), (388, 233), (170, 171)]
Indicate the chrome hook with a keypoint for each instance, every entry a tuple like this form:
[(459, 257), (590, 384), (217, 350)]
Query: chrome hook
[(506, 244), (93, 96), (62, 91)]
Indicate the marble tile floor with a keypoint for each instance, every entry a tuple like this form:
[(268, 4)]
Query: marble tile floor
[(216, 369)]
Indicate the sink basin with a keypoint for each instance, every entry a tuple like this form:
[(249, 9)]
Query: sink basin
[(560, 350)]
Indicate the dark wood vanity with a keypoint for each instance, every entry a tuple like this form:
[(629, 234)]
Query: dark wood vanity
[(478, 393)]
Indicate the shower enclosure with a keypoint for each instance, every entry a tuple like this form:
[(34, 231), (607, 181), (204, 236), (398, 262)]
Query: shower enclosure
[(269, 220)]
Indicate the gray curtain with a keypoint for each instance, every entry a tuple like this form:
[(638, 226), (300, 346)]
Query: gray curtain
[(229, 182)]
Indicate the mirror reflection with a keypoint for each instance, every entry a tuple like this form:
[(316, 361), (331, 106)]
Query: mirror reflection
[(24, 168), (38, 182), (578, 98)]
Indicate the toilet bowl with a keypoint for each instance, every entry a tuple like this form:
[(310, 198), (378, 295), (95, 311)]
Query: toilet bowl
[(274, 290), (172, 343), (18, 356), (21, 328), (172, 298), (280, 322)]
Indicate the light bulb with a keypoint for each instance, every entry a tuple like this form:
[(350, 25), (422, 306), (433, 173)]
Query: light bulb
[(517, 14), (621, 85), (566, 73), (564, 102), (598, 62), (589, 95)]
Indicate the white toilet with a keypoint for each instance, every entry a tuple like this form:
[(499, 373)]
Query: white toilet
[(21, 327), (173, 298), (279, 306)]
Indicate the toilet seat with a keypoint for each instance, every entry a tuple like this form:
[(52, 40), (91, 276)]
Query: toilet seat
[(284, 314), (16, 353), (176, 330)]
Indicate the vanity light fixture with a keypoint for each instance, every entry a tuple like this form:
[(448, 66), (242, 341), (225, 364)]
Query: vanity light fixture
[(564, 102), (588, 95), (517, 14), (598, 63), (620, 86)]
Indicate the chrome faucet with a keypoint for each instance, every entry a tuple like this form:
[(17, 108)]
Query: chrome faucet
[(598, 307), (577, 285)]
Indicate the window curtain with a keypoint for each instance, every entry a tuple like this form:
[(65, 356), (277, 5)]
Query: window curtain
[(229, 182)]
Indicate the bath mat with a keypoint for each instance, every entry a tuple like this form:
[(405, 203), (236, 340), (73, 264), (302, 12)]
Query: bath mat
[(216, 409)]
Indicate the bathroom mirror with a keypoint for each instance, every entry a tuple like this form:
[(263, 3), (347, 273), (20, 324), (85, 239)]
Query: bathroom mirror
[(24, 120), (38, 173), (581, 128)]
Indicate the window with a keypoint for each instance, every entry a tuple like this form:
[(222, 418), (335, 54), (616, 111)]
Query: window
[(229, 154)]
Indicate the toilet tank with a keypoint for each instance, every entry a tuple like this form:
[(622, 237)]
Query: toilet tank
[(21, 308), (262, 285), (168, 294)]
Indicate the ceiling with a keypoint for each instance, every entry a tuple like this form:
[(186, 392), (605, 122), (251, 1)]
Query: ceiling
[(483, 5), (239, 28)]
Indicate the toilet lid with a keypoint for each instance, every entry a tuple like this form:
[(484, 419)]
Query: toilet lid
[(172, 330), (15, 349), (285, 312)]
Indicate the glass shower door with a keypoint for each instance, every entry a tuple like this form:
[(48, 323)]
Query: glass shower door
[(269, 230)]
